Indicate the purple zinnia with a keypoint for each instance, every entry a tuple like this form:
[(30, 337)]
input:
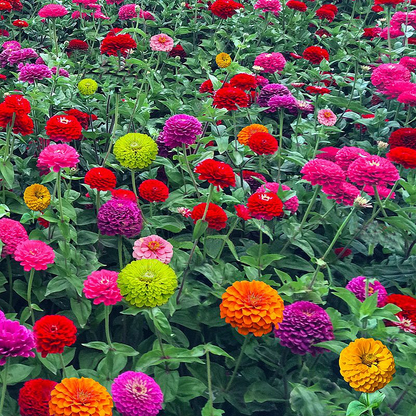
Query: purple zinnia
[(358, 284), (62, 72), (136, 394), (269, 91), (120, 217), (282, 102), (33, 72), (305, 107), (15, 340), (181, 129), (21, 55), (304, 324)]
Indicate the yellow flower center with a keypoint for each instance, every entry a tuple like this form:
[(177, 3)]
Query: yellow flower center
[(374, 163), (64, 120), (265, 197), (153, 245), (327, 114), (135, 145), (369, 359), (162, 39), (149, 275), (83, 396), (254, 299), (370, 290)]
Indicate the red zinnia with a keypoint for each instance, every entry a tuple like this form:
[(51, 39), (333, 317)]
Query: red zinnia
[(407, 316), (262, 143), (371, 32), (315, 54), (265, 205), (18, 107), (216, 216), (5, 6), (225, 8), (20, 23), (123, 194), (327, 11), (216, 173), (113, 45), (178, 51), (63, 128), (387, 2), (83, 118), (34, 397), (404, 137), (322, 32), (244, 82), (53, 333), (317, 90), (230, 98), (403, 156), (253, 183), (153, 190), (101, 179), (342, 252), (297, 5), (242, 212)]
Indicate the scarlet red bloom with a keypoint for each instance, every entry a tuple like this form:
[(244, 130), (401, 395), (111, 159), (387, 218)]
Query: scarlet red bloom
[(371, 32), (265, 205), (216, 216), (403, 156), (263, 143), (230, 98), (118, 44), (322, 32), (297, 5), (317, 90), (216, 173), (404, 137), (17, 107), (407, 316), (44, 223), (20, 23), (315, 54), (153, 190), (244, 82), (77, 44), (53, 333), (34, 397), (63, 128), (101, 179), (242, 212), (83, 118), (327, 11), (342, 252), (123, 194), (178, 51), (225, 8), (5, 6)]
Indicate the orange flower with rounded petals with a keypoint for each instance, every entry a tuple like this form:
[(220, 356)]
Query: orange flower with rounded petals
[(248, 131), (367, 365), (252, 307), (80, 397)]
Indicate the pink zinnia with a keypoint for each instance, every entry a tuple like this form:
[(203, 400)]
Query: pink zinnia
[(57, 156), (270, 62), (161, 42), (326, 117), (343, 193), (383, 191), (273, 6), (407, 97), (348, 154), (358, 285), (323, 172), (34, 254), (128, 11), (327, 153), (396, 88), (12, 233), (409, 62), (53, 10), (143, 14), (387, 74), (394, 33), (292, 204), (153, 247), (102, 287), (372, 170)]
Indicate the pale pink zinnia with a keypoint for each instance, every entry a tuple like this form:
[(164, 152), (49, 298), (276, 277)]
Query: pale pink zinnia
[(102, 287), (161, 42), (34, 254), (52, 11), (326, 117), (153, 247), (57, 156)]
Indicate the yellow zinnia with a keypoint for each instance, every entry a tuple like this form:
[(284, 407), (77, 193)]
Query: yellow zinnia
[(37, 197), (367, 365), (87, 86), (223, 60)]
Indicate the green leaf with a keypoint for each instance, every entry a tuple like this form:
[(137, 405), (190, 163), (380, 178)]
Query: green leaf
[(368, 306), (213, 349), (124, 349), (305, 401), (17, 373), (82, 310), (334, 346), (262, 392), (86, 237), (7, 172), (209, 410), (348, 297), (168, 382), (356, 408), (98, 345), (189, 388), (199, 230), (374, 399), (160, 321)]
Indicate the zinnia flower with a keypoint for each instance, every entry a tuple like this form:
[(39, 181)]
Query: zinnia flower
[(386, 74), (215, 217), (223, 60), (87, 86), (161, 43), (123, 194), (136, 394), (269, 91), (272, 6), (34, 254), (323, 172), (404, 137), (315, 54), (328, 153), (135, 150), (63, 128), (230, 98), (263, 143), (270, 62), (251, 178), (37, 197), (343, 193), (252, 307), (120, 217), (367, 365), (83, 118), (80, 396), (112, 45), (57, 156), (12, 233), (147, 283), (181, 129), (153, 190), (346, 155), (101, 286), (326, 117), (53, 333), (408, 97), (34, 397), (297, 5), (219, 174), (153, 247), (358, 287), (244, 82), (53, 11), (33, 72), (102, 179), (265, 205), (225, 8), (242, 212), (292, 204), (245, 134), (304, 324), (403, 156), (407, 315), (178, 51), (128, 11)]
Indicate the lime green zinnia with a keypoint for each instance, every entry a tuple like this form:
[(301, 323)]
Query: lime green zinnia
[(87, 86), (147, 283), (135, 150)]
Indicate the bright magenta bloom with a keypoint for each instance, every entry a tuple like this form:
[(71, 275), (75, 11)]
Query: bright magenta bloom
[(34, 254), (57, 156), (102, 287)]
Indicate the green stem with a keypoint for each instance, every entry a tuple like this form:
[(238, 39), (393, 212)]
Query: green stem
[(388, 30), (9, 271), (380, 204), (4, 387), (188, 167), (209, 198), (370, 410), (98, 202), (58, 190), (120, 251), (8, 150), (133, 183), (279, 150), (226, 237), (61, 358), (107, 310), (29, 294), (259, 265), (210, 393), (238, 362), (113, 131)]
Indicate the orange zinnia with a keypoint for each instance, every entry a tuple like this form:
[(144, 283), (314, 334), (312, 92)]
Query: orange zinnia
[(81, 397), (252, 307), (248, 131)]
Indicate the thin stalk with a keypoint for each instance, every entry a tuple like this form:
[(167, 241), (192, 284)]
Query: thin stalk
[(120, 251), (209, 198), (186, 271), (61, 357), (388, 29), (279, 150), (107, 310), (370, 410), (29, 294), (227, 237), (58, 190), (4, 387), (113, 130), (238, 362), (8, 150), (9, 271), (377, 195), (133, 183), (210, 393), (259, 265), (188, 167)]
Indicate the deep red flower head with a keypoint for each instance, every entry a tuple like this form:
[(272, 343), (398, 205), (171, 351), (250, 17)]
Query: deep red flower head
[(404, 137), (403, 156), (263, 143), (17, 107), (317, 90), (123, 194), (83, 118), (77, 45), (407, 316), (44, 223), (207, 86), (219, 174), (53, 333), (387, 2), (244, 82), (225, 8), (371, 32), (377, 9), (34, 397), (242, 212), (250, 176), (322, 32), (315, 54), (178, 51), (63, 128), (20, 23), (265, 205), (216, 216), (345, 252), (327, 11), (230, 98), (112, 45), (5, 6), (297, 5), (153, 190), (102, 179)]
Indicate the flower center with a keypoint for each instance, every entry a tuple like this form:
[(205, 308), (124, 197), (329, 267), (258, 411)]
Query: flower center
[(374, 163), (265, 197), (370, 290), (134, 145), (83, 396), (153, 245), (64, 120), (39, 195), (254, 299), (162, 39), (149, 275), (327, 114), (369, 359)]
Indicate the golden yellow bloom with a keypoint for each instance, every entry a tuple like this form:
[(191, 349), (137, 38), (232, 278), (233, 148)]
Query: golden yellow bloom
[(367, 365), (223, 60), (37, 197), (87, 86), (248, 131)]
